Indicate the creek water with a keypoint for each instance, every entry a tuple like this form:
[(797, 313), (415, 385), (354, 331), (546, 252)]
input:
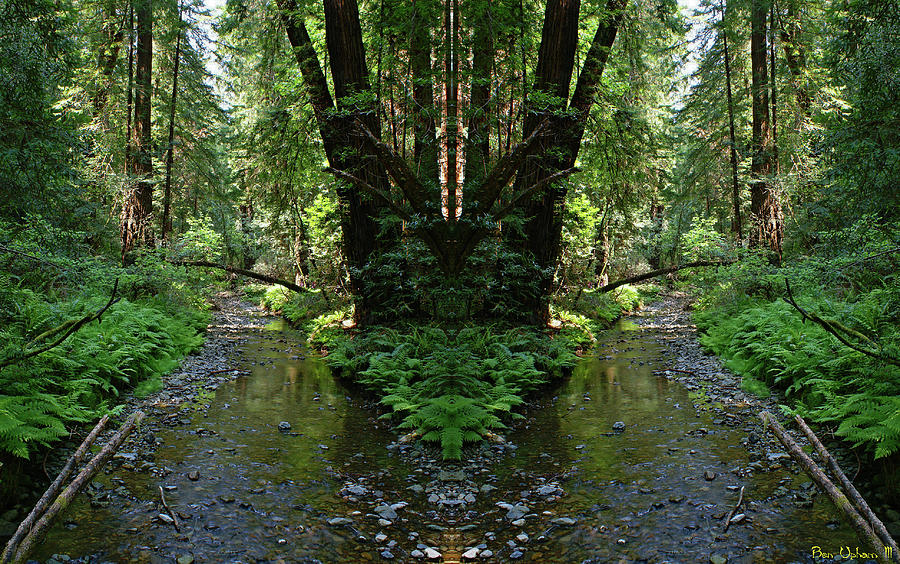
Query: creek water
[(567, 487)]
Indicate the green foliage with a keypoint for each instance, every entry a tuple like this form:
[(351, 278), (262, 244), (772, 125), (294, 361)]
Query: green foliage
[(453, 386), (294, 306), (766, 340)]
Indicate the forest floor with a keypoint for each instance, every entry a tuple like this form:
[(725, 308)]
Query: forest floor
[(325, 491)]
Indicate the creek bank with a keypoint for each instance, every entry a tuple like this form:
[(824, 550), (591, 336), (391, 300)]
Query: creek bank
[(619, 464), (718, 390)]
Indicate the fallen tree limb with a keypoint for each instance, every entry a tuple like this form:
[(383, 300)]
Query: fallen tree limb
[(87, 473), (860, 525), (241, 271), (855, 498), (69, 327), (660, 272), (734, 510), (52, 490), (162, 498), (836, 329)]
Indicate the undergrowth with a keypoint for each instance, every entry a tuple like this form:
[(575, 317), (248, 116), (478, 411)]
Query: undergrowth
[(456, 386), (745, 320), (156, 321)]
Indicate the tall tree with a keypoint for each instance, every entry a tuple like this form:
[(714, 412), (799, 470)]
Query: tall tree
[(138, 206), (765, 207), (170, 147), (735, 186)]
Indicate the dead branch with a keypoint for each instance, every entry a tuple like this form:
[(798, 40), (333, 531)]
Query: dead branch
[(162, 498), (52, 490), (855, 498), (660, 272), (861, 526), (69, 326), (835, 328), (734, 510), (87, 473), (241, 271)]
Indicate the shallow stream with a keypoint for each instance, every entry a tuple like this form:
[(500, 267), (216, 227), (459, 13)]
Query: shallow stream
[(568, 486)]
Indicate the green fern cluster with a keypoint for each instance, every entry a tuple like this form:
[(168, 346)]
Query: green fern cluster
[(453, 387), (73, 382), (822, 379)]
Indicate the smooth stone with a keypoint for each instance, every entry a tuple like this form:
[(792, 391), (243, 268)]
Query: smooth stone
[(717, 559), (516, 512), (356, 490), (417, 553), (563, 521), (739, 518), (185, 559), (284, 426), (386, 512), (380, 537), (387, 555), (549, 489), (470, 554), (522, 537), (165, 518), (448, 476), (709, 475), (618, 426), (193, 476), (516, 554), (385, 523), (339, 521), (432, 554), (486, 553)]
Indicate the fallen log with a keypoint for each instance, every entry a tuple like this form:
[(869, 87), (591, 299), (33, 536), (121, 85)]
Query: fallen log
[(242, 271), (660, 272), (52, 490), (863, 530), (87, 473), (858, 501)]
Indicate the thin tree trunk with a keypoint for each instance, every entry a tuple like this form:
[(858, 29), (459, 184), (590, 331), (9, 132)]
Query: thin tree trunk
[(736, 226), (130, 93), (425, 145), (167, 197), (451, 64), (774, 88), (107, 59), (478, 141)]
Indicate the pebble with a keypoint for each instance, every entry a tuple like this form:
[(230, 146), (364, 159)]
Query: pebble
[(522, 537), (486, 553), (470, 554), (709, 475), (185, 559), (284, 426), (432, 554), (717, 559), (387, 555), (417, 553), (739, 518), (380, 537), (563, 521), (339, 521), (516, 554), (618, 426)]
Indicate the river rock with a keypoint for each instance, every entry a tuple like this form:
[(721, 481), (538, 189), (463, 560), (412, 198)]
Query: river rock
[(517, 512), (618, 426), (516, 554), (709, 475), (339, 521), (449, 476), (563, 521), (717, 559), (284, 426), (739, 518), (549, 489), (432, 554), (193, 476), (417, 553), (486, 553), (185, 559), (387, 554), (355, 489), (470, 554), (386, 512)]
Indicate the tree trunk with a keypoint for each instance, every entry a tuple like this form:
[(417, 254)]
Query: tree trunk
[(478, 137), (107, 58), (736, 224), (425, 146), (136, 227), (764, 205), (167, 197), (795, 57), (556, 59), (344, 146)]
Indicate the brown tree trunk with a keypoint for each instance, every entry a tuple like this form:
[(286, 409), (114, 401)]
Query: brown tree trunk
[(425, 145), (107, 58), (478, 137), (451, 96), (344, 145), (556, 59), (136, 227), (764, 205), (795, 57), (736, 224), (167, 196)]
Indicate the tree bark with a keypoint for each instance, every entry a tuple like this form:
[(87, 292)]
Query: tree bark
[(167, 196), (661, 272), (107, 58), (736, 223), (425, 145), (478, 135), (345, 148), (556, 59), (136, 227), (767, 230)]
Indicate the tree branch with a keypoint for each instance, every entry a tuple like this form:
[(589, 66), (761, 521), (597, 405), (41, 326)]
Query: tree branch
[(660, 272), (241, 271), (834, 327), (531, 190), (69, 326), (360, 183)]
